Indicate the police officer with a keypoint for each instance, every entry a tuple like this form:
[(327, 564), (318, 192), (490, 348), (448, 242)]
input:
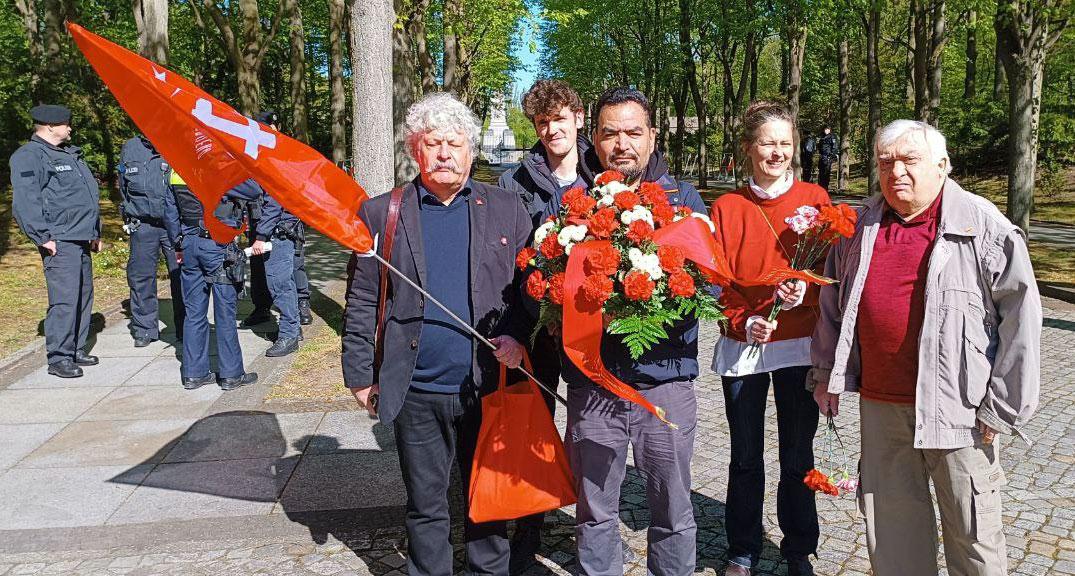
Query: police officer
[(259, 289), (806, 153), (828, 149), (280, 229), (144, 185), (55, 202), (210, 267)]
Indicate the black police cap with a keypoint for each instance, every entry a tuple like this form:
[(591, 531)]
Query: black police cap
[(267, 117), (50, 114)]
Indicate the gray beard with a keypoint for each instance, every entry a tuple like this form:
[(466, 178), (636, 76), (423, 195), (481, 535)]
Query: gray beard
[(632, 175)]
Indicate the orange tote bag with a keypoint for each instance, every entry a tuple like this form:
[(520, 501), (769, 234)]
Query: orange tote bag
[(520, 466)]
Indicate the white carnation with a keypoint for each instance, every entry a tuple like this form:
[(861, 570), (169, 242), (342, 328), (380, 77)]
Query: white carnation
[(542, 232), (648, 264), (639, 212), (605, 201), (613, 188), (570, 234)]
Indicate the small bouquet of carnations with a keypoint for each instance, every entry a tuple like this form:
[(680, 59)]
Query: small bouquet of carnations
[(840, 480)]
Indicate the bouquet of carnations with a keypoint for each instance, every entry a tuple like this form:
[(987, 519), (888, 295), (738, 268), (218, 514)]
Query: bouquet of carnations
[(840, 480), (817, 229), (641, 286)]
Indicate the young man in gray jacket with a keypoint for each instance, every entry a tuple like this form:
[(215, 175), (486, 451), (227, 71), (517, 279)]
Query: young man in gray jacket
[(936, 322)]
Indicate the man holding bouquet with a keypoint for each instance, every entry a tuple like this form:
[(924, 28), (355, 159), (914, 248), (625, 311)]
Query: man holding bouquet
[(601, 425)]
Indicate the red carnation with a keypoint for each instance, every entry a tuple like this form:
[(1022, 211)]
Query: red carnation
[(556, 288), (652, 193), (840, 218), (681, 284), (596, 289), (671, 257), (578, 202), (535, 285), (663, 214), (605, 261), (522, 260), (626, 200), (603, 223), (637, 286), (819, 482), (684, 211), (550, 247), (639, 231), (609, 176)]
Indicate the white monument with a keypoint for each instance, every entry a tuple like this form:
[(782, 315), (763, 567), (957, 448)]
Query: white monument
[(498, 141)]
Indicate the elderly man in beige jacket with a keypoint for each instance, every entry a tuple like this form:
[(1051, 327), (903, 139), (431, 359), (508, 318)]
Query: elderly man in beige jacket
[(936, 323)]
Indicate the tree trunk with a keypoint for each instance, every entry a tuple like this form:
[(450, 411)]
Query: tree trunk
[(246, 50), (417, 24), (938, 35), (921, 58), (754, 76), (785, 64), (797, 35), (337, 95), (403, 91), (1026, 32), (873, 88), (371, 64), (54, 33), (151, 19), (970, 79), (999, 74), (909, 61), (300, 127), (452, 51), (679, 101), (27, 10), (845, 117), (691, 76)]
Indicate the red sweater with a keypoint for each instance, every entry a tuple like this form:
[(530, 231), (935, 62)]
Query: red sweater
[(893, 306), (752, 250)]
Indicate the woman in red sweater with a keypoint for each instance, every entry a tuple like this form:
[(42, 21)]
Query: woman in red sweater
[(754, 237)]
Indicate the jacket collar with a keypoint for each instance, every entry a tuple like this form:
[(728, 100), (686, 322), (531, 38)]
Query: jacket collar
[(68, 149)]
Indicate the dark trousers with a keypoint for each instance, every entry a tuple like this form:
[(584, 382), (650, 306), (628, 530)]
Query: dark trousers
[(148, 241), (280, 275), (69, 277), (824, 170), (259, 286), (203, 259), (600, 426), (796, 418), (808, 167), (545, 356), (431, 431), (302, 282)]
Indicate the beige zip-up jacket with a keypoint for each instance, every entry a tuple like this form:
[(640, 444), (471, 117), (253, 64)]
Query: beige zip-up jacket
[(979, 349)]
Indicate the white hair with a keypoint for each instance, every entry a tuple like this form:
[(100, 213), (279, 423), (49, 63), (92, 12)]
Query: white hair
[(898, 129), (441, 111)]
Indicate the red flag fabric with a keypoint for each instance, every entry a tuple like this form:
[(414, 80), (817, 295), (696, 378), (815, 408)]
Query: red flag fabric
[(214, 148)]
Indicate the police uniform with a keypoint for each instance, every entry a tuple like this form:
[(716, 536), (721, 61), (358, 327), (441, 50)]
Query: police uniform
[(144, 184), (259, 287), (283, 229), (55, 198), (208, 267)]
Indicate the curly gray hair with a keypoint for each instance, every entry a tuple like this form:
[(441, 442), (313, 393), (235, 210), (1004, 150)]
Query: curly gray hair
[(898, 129), (441, 111)]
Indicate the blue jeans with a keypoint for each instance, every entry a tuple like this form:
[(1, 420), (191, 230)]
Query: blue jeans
[(202, 260), (280, 275), (796, 418)]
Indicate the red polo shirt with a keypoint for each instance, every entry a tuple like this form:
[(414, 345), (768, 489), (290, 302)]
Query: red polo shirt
[(893, 305)]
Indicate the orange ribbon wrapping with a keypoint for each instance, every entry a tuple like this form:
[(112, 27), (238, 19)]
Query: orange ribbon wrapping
[(582, 326)]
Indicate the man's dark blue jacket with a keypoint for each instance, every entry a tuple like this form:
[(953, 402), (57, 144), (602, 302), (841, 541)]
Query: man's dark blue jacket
[(499, 228)]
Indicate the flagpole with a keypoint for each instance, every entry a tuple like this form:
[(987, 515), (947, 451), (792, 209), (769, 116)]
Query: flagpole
[(461, 322)]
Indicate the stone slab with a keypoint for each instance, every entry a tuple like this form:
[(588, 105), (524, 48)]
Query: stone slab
[(190, 490), (18, 440), (115, 345), (245, 434), (154, 403), (64, 497), (47, 405), (108, 443), (349, 431), (343, 481), (163, 370), (110, 372)]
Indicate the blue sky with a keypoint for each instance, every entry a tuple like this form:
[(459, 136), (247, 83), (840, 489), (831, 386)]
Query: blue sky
[(527, 73)]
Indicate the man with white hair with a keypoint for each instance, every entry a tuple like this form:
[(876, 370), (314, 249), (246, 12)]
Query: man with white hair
[(936, 323), (458, 239)]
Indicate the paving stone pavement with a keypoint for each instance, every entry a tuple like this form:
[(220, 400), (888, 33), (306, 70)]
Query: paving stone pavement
[(123, 472)]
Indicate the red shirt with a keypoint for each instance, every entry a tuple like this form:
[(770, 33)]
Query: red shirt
[(753, 249), (893, 305)]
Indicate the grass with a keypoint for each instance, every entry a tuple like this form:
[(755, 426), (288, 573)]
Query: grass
[(23, 295), (1052, 263)]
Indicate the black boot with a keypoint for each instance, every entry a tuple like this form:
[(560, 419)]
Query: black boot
[(227, 384), (65, 368), (282, 347), (83, 359), (305, 316), (195, 383)]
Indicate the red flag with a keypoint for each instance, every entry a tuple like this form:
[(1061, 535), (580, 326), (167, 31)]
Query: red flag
[(214, 148)]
